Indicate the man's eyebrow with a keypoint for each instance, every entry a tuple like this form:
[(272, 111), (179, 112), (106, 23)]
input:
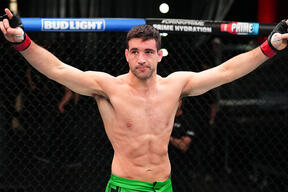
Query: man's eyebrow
[(136, 49), (149, 50)]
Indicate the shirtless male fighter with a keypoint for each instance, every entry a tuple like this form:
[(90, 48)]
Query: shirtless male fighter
[(138, 108)]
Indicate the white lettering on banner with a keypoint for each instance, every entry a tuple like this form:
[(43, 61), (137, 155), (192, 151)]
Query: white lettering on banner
[(161, 27), (182, 28), (242, 27), (86, 25), (164, 27), (50, 24), (182, 22), (193, 29), (56, 25)]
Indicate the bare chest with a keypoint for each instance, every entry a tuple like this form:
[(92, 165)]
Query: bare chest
[(149, 109), (144, 113)]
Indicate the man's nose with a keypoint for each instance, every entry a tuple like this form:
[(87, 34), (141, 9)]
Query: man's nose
[(141, 58)]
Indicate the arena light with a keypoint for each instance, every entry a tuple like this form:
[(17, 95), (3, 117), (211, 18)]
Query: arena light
[(165, 52), (164, 34), (164, 8)]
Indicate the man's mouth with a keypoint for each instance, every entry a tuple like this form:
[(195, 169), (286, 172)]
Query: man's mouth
[(141, 68)]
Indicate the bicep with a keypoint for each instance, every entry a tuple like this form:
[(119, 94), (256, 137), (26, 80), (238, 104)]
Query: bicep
[(87, 83), (201, 82)]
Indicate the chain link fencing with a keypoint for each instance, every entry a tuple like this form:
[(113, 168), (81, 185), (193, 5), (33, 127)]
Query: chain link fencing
[(52, 139)]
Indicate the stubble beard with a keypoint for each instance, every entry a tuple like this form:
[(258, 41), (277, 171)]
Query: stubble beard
[(143, 76)]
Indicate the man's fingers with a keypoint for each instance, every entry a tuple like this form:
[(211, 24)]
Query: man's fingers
[(5, 28), (6, 23), (2, 28), (284, 36), (15, 31), (9, 14)]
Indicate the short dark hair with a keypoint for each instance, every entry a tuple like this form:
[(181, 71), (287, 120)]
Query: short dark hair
[(145, 32)]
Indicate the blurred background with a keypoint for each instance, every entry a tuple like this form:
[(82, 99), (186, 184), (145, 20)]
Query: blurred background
[(52, 139)]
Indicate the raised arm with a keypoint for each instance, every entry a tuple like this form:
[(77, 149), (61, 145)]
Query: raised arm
[(85, 83), (236, 67)]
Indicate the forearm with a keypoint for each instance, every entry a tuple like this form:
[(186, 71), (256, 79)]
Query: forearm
[(42, 60), (242, 64)]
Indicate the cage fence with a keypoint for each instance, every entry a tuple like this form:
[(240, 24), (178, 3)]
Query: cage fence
[(49, 143)]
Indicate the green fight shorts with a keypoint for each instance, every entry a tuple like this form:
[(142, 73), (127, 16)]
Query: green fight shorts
[(120, 184)]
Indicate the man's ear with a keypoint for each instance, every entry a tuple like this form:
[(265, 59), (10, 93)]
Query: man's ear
[(126, 54), (160, 55)]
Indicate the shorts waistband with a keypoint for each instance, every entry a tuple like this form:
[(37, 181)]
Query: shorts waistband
[(131, 183)]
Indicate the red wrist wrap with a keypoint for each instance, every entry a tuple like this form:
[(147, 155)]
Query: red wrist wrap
[(23, 45), (267, 50)]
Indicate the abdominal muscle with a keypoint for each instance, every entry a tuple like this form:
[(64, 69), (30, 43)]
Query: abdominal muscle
[(142, 158)]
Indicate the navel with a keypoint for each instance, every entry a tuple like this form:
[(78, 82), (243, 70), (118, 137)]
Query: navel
[(129, 124)]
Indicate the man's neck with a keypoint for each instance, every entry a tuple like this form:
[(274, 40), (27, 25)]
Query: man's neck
[(143, 85)]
